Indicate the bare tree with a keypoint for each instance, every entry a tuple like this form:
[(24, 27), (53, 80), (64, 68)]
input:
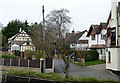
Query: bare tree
[(62, 48), (59, 20), (37, 36), (37, 40)]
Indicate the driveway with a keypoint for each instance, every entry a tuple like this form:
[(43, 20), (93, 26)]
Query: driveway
[(97, 71)]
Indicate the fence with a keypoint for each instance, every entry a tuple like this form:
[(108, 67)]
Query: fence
[(20, 62), (49, 66)]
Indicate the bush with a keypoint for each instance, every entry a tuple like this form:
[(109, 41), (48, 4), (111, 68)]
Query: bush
[(28, 54), (91, 55), (9, 56), (68, 52), (79, 54), (38, 54)]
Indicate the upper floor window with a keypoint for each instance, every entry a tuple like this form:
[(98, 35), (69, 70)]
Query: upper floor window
[(73, 44), (93, 37), (101, 37)]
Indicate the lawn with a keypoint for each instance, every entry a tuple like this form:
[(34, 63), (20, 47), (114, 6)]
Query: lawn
[(88, 63)]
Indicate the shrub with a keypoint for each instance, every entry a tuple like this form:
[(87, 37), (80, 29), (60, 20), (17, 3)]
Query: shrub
[(68, 52), (91, 55), (78, 54), (28, 54), (9, 56), (38, 54)]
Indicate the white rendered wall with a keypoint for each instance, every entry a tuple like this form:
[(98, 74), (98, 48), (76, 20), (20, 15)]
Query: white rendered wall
[(97, 41), (83, 37), (101, 56), (115, 63)]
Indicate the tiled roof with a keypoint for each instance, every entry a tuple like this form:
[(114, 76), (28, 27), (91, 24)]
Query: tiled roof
[(98, 46), (93, 27), (108, 18), (82, 41), (103, 25), (73, 37), (17, 42)]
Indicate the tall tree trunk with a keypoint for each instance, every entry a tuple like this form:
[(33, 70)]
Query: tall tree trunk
[(66, 71)]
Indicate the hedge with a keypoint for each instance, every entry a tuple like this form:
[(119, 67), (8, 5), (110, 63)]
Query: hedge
[(91, 55), (9, 56)]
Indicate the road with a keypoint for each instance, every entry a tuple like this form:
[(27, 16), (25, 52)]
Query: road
[(78, 71)]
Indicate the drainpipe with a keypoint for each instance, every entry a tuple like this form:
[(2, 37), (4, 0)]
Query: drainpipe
[(97, 39)]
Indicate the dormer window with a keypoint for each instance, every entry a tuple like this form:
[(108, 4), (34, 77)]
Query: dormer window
[(93, 37)]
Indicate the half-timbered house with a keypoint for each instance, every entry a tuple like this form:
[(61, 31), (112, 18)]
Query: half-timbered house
[(20, 42), (96, 39)]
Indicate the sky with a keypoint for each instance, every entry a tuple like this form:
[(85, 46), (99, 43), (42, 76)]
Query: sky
[(83, 12)]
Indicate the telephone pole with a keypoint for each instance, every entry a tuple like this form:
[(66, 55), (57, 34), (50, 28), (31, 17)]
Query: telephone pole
[(44, 64)]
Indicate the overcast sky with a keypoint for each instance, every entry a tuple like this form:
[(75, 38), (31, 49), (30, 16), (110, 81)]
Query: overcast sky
[(83, 12)]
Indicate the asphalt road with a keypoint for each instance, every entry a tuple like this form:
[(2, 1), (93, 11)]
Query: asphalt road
[(78, 71)]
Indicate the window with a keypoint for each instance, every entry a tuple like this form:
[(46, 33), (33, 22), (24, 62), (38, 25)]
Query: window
[(108, 32), (73, 44), (101, 37), (93, 37), (109, 57), (101, 51), (28, 43)]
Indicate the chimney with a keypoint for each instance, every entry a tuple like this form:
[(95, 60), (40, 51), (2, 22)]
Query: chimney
[(73, 31), (20, 29)]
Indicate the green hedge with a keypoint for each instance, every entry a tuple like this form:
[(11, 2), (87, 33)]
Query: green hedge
[(91, 55), (9, 56)]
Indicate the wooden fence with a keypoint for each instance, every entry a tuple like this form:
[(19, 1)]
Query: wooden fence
[(20, 62), (49, 63)]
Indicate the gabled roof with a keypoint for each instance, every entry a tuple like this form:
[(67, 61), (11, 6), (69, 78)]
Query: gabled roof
[(73, 37), (13, 37), (82, 41), (108, 19), (95, 28), (102, 25), (17, 42)]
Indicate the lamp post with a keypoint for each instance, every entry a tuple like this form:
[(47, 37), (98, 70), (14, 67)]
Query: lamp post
[(44, 64)]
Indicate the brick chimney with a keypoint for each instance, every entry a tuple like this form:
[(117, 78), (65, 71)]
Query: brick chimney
[(73, 31)]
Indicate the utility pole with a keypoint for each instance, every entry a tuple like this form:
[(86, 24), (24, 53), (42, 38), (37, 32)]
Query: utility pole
[(44, 63)]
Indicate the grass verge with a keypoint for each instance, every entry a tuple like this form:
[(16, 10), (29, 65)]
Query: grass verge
[(88, 63), (54, 76)]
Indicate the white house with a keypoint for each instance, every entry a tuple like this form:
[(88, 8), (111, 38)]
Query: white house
[(96, 39), (78, 40), (20, 42), (113, 38)]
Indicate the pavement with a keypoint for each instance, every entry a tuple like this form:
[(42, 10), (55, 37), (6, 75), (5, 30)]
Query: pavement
[(96, 71)]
